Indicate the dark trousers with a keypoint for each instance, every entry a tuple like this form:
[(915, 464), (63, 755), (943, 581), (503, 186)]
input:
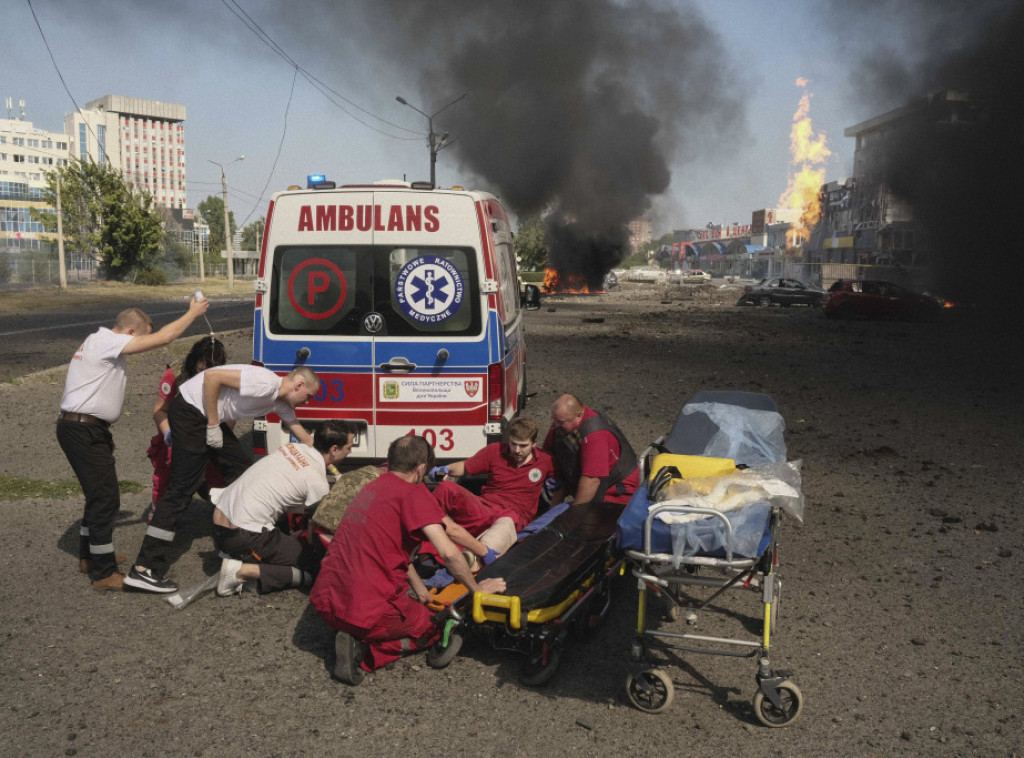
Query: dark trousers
[(190, 454), (90, 451), (282, 558)]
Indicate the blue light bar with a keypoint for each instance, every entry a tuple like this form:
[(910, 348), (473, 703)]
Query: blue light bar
[(314, 179)]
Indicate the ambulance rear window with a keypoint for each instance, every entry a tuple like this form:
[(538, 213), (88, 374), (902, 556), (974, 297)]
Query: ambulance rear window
[(432, 290), (331, 290), (316, 290)]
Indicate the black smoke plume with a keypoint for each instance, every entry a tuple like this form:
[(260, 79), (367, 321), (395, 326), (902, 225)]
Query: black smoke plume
[(574, 108), (961, 177)]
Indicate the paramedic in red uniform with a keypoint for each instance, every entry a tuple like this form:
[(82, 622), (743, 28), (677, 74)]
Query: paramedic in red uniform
[(362, 590), (595, 461), (516, 471)]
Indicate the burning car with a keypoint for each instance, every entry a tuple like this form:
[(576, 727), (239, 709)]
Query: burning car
[(784, 292), (850, 298)]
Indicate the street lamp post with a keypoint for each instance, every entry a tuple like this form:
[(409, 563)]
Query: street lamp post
[(435, 143), (227, 224)]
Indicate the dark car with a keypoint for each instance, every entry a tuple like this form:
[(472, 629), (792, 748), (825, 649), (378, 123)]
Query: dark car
[(784, 292), (851, 298)]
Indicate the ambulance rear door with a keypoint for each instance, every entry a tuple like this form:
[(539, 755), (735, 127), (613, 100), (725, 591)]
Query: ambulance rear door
[(432, 354), (318, 280)]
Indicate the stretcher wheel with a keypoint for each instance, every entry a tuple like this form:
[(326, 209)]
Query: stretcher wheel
[(439, 657), (792, 703), (535, 672), (671, 609), (650, 691)]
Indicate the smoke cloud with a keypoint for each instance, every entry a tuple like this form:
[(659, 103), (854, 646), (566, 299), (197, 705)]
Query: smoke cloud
[(576, 108), (961, 179)]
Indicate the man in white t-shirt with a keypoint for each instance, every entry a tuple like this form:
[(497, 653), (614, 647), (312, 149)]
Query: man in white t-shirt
[(291, 479), (92, 400), (200, 433)]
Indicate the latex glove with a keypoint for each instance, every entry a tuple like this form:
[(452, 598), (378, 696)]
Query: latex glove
[(438, 472), (439, 580), (490, 557), (167, 438), (214, 436), (550, 483)]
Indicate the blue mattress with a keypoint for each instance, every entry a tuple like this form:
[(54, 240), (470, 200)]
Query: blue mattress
[(744, 426)]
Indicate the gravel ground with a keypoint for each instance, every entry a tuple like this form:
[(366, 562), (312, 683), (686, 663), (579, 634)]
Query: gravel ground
[(899, 620)]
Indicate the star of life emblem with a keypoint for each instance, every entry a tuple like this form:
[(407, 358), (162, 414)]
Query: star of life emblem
[(429, 289)]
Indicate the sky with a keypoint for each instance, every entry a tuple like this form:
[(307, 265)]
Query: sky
[(242, 98)]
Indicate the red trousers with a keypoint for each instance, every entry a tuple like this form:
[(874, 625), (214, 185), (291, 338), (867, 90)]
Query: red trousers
[(404, 627), (160, 456)]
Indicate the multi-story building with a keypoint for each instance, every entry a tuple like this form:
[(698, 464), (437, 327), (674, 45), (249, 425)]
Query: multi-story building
[(26, 154), (639, 234), (863, 221), (143, 139)]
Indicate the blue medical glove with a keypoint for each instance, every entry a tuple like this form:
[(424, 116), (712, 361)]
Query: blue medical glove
[(488, 559), (439, 580), (550, 483), (167, 438), (438, 472)]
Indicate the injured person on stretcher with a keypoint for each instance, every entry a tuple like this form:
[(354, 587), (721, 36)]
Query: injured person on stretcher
[(486, 525)]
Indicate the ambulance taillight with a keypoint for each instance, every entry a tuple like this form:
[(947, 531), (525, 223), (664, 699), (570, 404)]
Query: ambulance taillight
[(495, 391)]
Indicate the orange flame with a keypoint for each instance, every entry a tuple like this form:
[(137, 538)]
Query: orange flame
[(571, 285), (809, 152)]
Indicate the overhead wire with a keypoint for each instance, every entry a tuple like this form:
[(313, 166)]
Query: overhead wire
[(280, 145), (316, 83), (60, 76)]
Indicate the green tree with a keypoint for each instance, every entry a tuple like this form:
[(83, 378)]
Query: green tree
[(103, 217), (252, 234), (531, 249), (212, 211)]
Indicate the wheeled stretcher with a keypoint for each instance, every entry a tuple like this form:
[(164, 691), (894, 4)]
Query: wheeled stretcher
[(557, 585), (680, 546)]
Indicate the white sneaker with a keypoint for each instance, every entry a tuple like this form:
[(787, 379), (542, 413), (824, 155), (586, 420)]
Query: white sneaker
[(229, 583)]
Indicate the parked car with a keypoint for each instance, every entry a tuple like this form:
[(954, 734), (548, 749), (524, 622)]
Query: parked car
[(850, 298), (695, 276), (784, 292)]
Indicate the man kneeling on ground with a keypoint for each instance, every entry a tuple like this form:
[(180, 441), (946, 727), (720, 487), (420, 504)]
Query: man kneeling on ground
[(292, 478), (362, 590)]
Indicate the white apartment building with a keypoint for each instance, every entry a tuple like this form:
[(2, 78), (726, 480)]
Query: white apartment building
[(143, 139), (26, 154)]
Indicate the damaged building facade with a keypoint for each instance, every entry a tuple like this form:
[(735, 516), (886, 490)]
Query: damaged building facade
[(865, 230)]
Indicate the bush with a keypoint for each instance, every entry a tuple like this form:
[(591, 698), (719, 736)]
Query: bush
[(151, 277), (637, 259)]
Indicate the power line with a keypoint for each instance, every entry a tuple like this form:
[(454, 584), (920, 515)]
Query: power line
[(280, 145), (60, 76), (316, 83)]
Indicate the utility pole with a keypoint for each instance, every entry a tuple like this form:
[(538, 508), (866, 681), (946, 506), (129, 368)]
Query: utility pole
[(227, 230), (435, 142), (227, 221), (60, 241), (199, 242)]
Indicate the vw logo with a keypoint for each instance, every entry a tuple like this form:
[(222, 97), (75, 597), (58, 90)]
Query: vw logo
[(373, 322)]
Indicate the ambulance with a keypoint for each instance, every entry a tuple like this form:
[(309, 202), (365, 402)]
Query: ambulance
[(404, 300)]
